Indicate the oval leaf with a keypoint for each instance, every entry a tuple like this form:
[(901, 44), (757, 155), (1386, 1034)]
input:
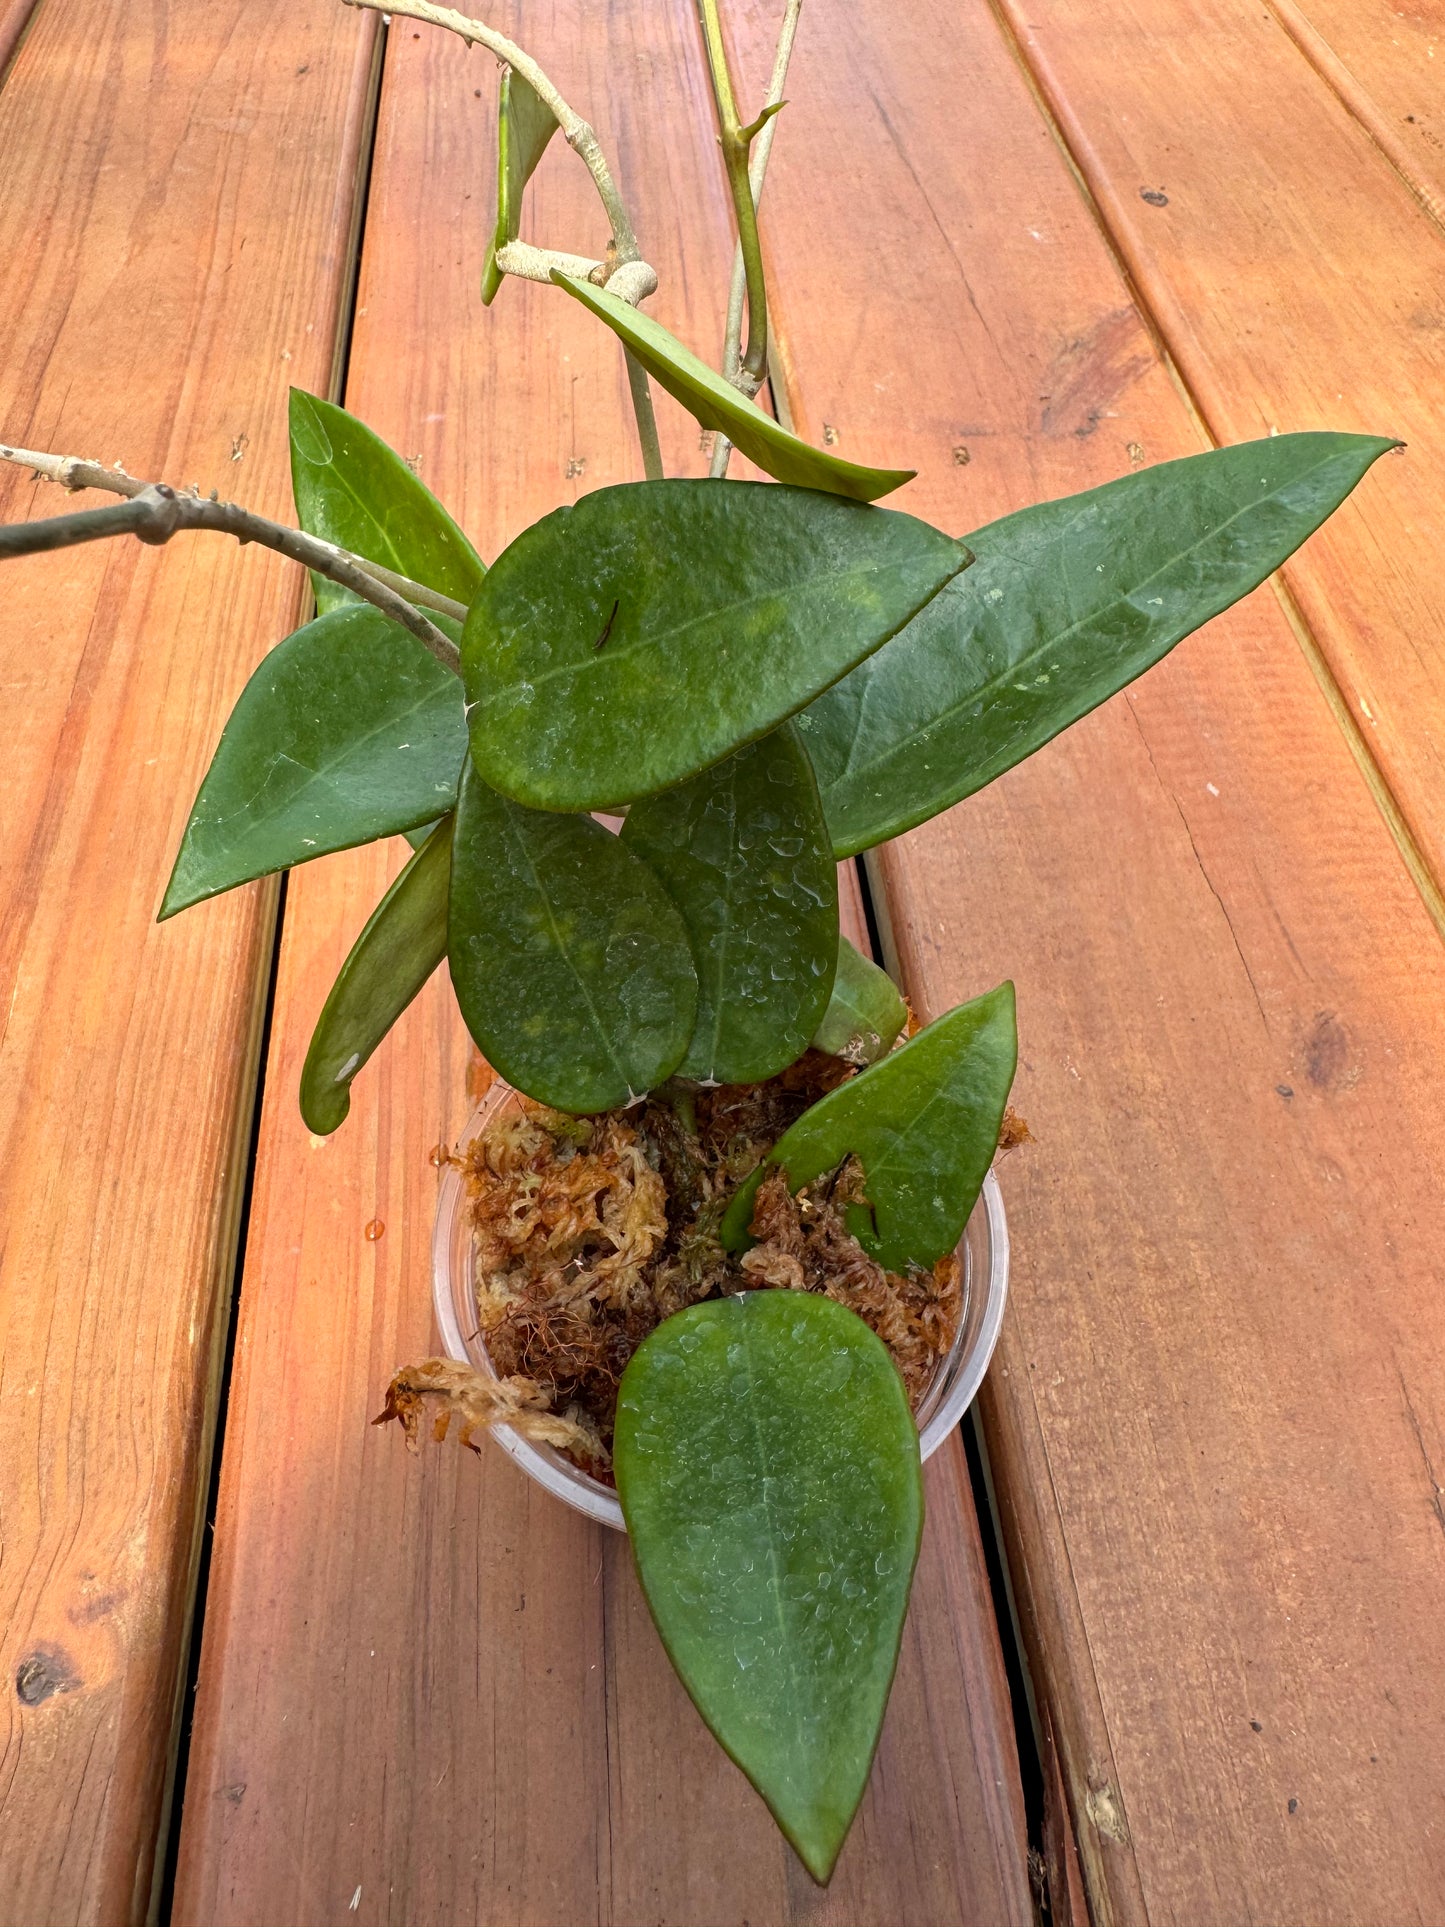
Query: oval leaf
[(1067, 603), (924, 1125), (525, 124), (351, 489), (404, 940), (743, 852), (769, 1473), (717, 404), (866, 1012), (348, 731), (570, 964), (620, 646)]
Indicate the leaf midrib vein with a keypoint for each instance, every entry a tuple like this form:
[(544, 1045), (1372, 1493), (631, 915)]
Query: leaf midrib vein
[(322, 770), (984, 690), (774, 1564), (519, 843), (717, 615)]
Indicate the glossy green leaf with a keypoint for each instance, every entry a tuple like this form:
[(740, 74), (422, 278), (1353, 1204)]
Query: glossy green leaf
[(570, 964), (404, 940), (1066, 603), (768, 1468), (525, 124), (865, 1014), (351, 489), (716, 404), (924, 1125), (347, 731), (622, 645), (743, 852)]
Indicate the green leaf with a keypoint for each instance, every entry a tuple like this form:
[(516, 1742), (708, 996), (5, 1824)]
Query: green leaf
[(769, 1473), (1066, 604), (347, 731), (622, 645), (570, 964), (351, 489), (865, 1013), (924, 1125), (525, 124), (718, 405), (743, 851), (404, 940)]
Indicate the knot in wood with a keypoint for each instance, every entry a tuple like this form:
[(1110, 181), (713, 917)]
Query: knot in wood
[(41, 1673)]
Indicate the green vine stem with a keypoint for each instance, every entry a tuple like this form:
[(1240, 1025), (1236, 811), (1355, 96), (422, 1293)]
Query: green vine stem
[(736, 141), (757, 172)]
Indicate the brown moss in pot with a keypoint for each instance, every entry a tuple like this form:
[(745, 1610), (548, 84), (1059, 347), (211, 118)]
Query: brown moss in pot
[(590, 1231)]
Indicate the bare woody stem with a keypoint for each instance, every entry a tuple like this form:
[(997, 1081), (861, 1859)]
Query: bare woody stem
[(736, 140), (154, 512), (577, 132), (757, 173), (624, 253)]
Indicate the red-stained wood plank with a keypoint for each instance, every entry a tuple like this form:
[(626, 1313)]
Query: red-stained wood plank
[(1218, 1414), (421, 1679), (1381, 61), (179, 185), (1296, 282), (14, 18)]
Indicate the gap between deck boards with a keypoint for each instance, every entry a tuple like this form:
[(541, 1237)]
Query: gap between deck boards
[(16, 19), (173, 1804)]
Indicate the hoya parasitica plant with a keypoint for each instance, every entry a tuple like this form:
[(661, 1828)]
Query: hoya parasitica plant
[(760, 679)]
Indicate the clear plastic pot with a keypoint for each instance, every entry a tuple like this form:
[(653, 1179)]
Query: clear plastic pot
[(982, 1253)]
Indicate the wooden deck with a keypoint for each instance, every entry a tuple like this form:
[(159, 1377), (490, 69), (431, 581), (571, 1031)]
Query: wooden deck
[(1028, 246)]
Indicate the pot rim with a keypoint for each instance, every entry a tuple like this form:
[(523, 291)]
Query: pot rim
[(984, 1249)]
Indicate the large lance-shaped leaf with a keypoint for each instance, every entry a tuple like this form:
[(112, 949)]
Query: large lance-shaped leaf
[(718, 405), (525, 124), (570, 964), (923, 1124), (865, 1011), (743, 851), (347, 731), (1066, 603), (404, 940), (768, 1468), (351, 489), (622, 645)]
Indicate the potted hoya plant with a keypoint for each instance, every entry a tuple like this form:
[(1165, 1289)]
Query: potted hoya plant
[(702, 1243)]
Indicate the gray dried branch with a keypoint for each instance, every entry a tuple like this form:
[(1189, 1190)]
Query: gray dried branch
[(154, 512)]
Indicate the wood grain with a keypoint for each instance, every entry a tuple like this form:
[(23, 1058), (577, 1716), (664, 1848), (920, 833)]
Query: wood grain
[(1286, 254), (427, 1692), (1218, 1416), (178, 191)]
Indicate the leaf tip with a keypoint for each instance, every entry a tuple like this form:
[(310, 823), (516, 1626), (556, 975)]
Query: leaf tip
[(176, 898), (323, 1112), (819, 1852)]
